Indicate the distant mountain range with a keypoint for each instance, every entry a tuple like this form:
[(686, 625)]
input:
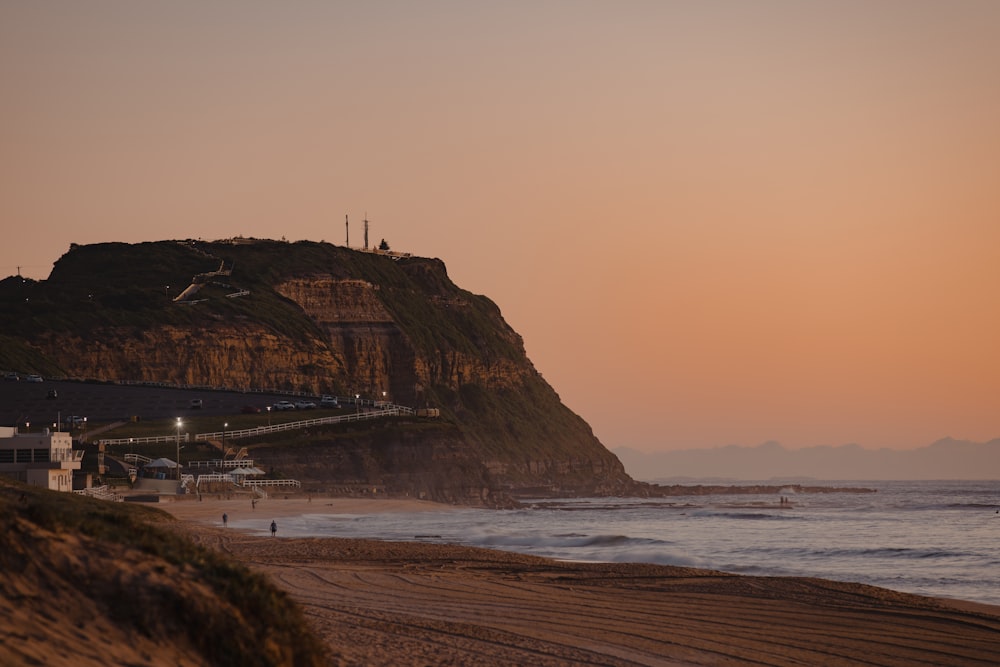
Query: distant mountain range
[(944, 459)]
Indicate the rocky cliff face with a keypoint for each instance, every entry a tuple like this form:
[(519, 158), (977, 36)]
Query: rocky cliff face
[(324, 319), (242, 357)]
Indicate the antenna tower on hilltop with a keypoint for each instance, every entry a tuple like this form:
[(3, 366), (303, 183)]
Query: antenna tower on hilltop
[(347, 226), (366, 230)]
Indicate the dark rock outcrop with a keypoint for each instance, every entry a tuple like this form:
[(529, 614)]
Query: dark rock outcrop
[(322, 319)]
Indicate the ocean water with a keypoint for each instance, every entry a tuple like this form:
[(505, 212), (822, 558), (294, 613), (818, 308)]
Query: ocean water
[(931, 538)]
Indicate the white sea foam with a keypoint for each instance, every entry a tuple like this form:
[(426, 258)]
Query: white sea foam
[(931, 538)]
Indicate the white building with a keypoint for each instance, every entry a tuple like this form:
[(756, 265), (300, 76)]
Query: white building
[(40, 459)]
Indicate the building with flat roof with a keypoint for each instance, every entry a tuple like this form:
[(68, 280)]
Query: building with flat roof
[(44, 459)]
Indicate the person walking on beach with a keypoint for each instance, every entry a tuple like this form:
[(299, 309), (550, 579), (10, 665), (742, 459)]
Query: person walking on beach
[(274, 528), (225, 520)]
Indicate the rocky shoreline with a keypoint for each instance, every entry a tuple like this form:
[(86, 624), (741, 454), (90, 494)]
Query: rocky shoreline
[(645, 490)]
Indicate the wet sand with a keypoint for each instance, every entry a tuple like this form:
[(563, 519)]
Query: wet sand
[(210, 509), (392, 603)]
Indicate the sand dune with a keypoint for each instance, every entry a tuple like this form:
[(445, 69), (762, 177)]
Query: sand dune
[(390, 603)]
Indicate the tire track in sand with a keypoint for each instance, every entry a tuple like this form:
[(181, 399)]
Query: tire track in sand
[(383, 603)]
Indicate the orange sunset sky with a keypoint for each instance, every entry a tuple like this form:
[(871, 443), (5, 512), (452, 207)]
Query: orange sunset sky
[(713, 222)]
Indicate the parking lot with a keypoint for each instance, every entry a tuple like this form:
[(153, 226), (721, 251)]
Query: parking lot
[(22, 402)]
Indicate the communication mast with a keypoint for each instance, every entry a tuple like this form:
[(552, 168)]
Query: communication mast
[(366, 230), (347, 226)]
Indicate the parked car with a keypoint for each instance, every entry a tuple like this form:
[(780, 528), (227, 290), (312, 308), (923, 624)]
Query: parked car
[(34, 378), (304, 405), (250, 409), (283, 405), (12, 377), (75, 420), (196, 404), (52, 394), (329, 402)]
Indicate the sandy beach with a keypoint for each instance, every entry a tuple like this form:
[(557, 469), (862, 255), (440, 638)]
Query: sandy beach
[(392, 603), (210, 509)]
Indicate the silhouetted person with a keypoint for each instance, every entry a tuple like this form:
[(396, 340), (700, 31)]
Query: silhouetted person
[(274, 528), (225, 520)]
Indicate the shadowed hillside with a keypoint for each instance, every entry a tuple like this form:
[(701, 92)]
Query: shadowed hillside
[(309, 317), (87, 582)]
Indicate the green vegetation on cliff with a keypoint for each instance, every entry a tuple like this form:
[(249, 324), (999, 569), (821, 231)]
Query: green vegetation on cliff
[(310, 317)]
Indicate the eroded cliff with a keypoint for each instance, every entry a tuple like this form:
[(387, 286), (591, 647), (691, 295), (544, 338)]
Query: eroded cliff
[(323, 319)]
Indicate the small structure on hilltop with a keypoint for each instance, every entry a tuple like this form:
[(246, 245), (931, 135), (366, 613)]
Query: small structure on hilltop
[(382, 249)]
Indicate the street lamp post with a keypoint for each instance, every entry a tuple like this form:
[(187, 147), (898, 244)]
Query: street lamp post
[(224, 427), (357, 404), (178, 449), (269, 415)]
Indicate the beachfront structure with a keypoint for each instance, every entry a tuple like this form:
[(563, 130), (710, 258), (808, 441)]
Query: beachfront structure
[(42, 459)]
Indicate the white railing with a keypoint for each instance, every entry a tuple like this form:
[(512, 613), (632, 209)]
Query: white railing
[(186, 437), (137, 458), (249, 483), (388, 410), (393, 254), (272, 482), (391, 411), (221, 463), (102, 493), (217, 477)]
